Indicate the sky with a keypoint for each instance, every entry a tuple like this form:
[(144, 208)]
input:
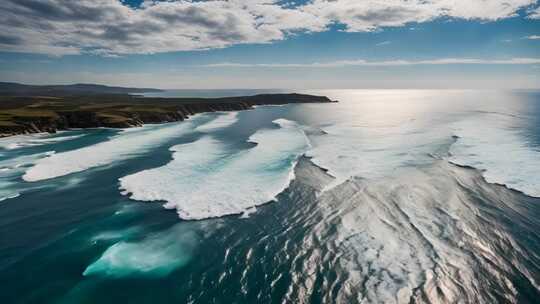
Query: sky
[(261, 44)]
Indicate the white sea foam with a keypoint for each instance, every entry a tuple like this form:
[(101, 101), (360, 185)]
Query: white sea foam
[(248, 212), (21, 141), (485, 141), (115, 234), (125, 145), (221, 121), (208, 179), (348, 150), (419, 237), (10, 172), (491, 144), (374, 136)]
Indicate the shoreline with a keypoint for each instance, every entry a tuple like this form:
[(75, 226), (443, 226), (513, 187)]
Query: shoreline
[(39, 114)]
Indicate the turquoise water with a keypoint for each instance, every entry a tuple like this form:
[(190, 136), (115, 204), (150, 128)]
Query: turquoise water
[(422, 200)]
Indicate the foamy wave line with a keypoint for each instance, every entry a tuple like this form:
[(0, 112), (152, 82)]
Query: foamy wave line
[(221, 121), (348, 151), (420, 236), (22, 141), (129, 143), (207, 179), (500, 154), (11, 170), (3, 198), (125, 145)]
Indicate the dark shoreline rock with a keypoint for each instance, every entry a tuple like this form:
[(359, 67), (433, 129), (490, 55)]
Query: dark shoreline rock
[(27, 115)]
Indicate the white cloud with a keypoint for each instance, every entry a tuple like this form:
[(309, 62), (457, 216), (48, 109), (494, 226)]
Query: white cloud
[(387, 63), (532, 37), (370, 15), (108, 27), (534, 13)]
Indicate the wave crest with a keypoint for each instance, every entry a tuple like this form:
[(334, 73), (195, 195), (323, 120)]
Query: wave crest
[(207, 179)]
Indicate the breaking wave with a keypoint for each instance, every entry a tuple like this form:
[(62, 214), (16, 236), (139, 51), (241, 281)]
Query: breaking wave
[(221, 121), (422, 235), (207, 178), (156, 255), (493, 146), (128, 144), (347, 150), (11, 170)]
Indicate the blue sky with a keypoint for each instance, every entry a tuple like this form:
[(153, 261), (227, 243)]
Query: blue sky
[(273, 44)]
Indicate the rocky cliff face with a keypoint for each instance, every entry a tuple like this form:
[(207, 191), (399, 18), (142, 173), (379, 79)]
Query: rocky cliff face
[(131, 116)]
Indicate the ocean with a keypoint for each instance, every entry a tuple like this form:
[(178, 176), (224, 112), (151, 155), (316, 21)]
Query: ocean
[(389, 196)]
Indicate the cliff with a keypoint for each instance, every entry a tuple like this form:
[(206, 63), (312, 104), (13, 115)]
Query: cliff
[(24, 115)]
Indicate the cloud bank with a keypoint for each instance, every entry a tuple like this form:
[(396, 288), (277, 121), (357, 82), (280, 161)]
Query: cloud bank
[(534, 13), (111, 28), (388, 63)]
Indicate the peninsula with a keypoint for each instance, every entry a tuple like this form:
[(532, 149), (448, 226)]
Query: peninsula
[(34, 109)]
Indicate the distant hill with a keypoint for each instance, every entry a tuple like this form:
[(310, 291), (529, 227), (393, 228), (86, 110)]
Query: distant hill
[(17, 89)]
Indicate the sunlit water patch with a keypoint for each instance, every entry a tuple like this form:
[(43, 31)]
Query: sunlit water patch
[(374, 152)]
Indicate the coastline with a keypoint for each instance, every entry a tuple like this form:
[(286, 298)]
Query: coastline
[(38, 114)]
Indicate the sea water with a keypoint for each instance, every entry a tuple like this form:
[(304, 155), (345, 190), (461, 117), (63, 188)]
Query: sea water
[(391, 196)]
